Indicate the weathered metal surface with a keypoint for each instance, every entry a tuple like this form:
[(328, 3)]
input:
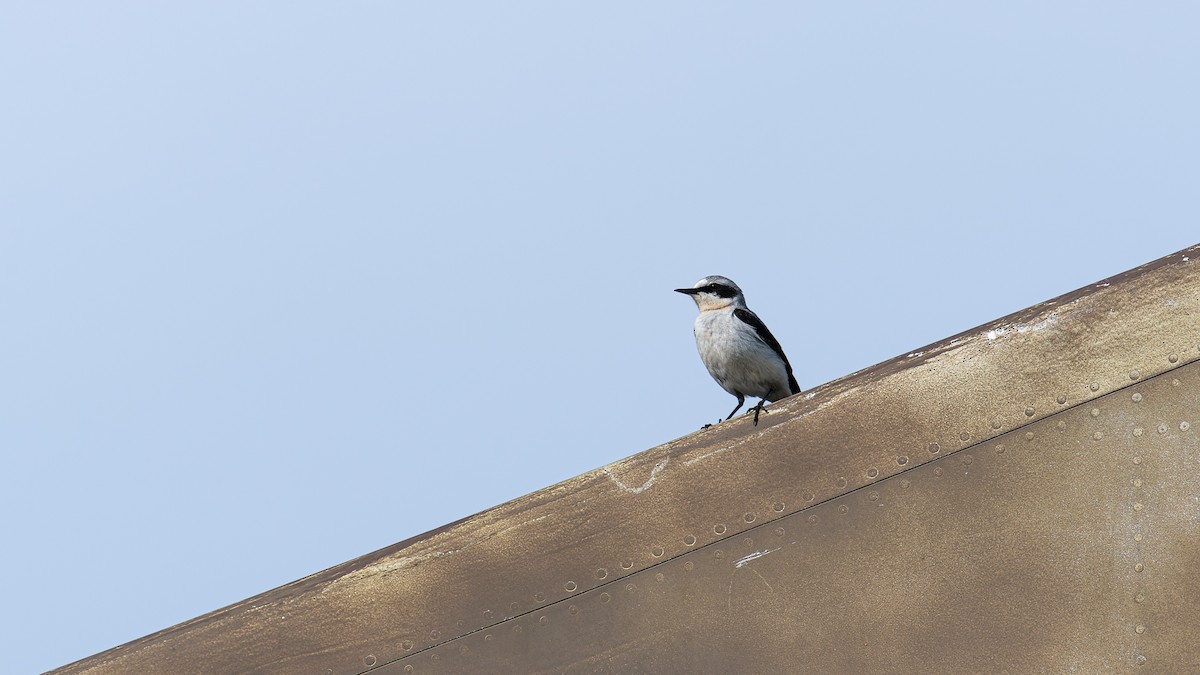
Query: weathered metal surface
[(1068, 545), (917, 560)]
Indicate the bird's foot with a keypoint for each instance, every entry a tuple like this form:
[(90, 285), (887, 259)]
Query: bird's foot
[(758, 409)]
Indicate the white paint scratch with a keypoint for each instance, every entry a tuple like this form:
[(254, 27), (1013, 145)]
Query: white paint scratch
[(706, 455), (1023, 327), (754, 556), (662, 464)]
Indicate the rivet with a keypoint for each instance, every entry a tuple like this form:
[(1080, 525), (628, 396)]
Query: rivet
[(630, 587), (1140, 629), (543, 619), (1139, 598), (842, 508), (435, 634), (689, 540), (518, 629), (1173, 358), (1095, 412), (464, 649), (1097, 436), (570, 587), (749, 517), (779, 507), (967, 459), (408, 668), (748, 542), (657, 551), (435, 658), (1000, 449), (689, 565), (1029, 411), (629, 563), (659, 577), (487, 613), (996, 423), (1137, 537), (601, 573), (1139, 567), (406, 645), (1061, 425), (1137, 507), (573, 610), (1029, 435), (1133, 374), (539, 596), (369, 660), (872, 472), (1094, 387), (1162, 428), (874, 496), (1185, 425), (902, 460), (1061, 399), (938, 471), (905, 483), (719, 529), (1137, 460), (934, 448), (808, 496), (813, 519), (718, 553), (1140, 660), (1137, 397), (605, 597), (1137, 431), (1137, 482), (964, 437), (779, 532), (488, 638), (841, 482)]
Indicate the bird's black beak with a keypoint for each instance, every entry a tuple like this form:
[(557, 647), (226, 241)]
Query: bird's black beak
[(687, 291)]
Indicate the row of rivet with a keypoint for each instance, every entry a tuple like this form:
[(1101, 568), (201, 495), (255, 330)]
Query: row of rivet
[(872, 472), (1139, 658)]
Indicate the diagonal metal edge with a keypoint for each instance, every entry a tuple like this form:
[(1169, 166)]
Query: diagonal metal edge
[(786, 421), (730, 536)]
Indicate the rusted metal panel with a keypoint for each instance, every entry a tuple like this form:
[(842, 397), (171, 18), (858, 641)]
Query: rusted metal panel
[(916, 559)]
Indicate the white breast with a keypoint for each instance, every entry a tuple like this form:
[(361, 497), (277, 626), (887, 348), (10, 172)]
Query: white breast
[(737, 359)]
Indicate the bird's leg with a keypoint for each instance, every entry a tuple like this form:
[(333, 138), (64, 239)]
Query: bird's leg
[(757, 409), (741, 402)]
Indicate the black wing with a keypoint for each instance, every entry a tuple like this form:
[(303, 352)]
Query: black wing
[(751, 319)]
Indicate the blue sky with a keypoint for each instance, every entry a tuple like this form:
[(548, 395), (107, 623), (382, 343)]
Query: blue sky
[(284, 283)]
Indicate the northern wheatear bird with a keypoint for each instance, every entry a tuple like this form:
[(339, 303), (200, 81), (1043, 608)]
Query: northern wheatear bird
[(736, 347)]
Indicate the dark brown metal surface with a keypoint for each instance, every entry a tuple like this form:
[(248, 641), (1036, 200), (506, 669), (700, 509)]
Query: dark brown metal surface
[(1023, 497)]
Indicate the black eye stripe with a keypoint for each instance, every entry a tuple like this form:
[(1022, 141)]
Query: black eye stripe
[(722, 290)]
